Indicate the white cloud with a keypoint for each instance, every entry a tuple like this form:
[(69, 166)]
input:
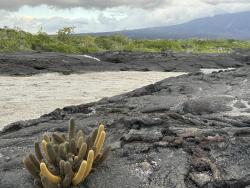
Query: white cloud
[(102, 4), (109, 15), (50, 25), (99, 4)]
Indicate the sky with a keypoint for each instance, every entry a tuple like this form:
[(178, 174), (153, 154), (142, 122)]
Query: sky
[(109, 15)]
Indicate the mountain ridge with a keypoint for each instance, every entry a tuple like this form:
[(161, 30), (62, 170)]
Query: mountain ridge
[(228, 26)]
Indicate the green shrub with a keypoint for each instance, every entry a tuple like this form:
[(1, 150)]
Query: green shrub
[(13, 40)]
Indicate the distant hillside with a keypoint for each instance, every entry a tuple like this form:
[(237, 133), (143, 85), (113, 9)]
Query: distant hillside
[(230, 26)]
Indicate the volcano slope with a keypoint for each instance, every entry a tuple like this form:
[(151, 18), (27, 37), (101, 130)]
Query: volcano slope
[(188, 131)]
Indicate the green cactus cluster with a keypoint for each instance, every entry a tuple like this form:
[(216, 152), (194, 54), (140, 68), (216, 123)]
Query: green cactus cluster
[(61, 161)]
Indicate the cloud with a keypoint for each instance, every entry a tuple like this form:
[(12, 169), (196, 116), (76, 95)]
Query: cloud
[(98, 4), (216, 2), (103, 4), (110, 15), (50, 25)]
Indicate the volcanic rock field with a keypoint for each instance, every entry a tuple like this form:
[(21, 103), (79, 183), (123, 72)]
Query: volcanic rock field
[(189, 131)]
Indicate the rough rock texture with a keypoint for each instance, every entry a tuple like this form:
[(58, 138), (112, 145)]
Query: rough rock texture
[(170, 61), (33, 63), (197, 138)]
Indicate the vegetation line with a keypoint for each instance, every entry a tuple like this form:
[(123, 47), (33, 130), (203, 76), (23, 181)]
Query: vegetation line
[(16, 40)]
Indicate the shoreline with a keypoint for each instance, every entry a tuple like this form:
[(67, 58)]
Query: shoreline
[(176, 122), (25, 98), (171, 133)]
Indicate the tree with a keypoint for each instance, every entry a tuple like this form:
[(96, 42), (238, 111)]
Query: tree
[(64, 33)]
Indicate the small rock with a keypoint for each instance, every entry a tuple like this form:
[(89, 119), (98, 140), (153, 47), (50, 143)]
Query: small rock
[(143, 135), (116, 145), (247, 110), (136, 126), (239, 104), (151, 109), (178, 142), (144, 121), (7, 159), (136, 147), (200, 179), (161, 144), (145, 166), (216, 138), (208, 105), (143, 170), (168, 138)]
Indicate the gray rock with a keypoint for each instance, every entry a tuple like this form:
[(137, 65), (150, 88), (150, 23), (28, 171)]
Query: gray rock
[(207, 105), (151, 109), (116, 145), (165, 147), (31, 63), (145, 135), (201, 179), (239, 104)]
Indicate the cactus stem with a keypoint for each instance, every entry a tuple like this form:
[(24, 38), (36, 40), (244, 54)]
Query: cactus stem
[(46, 173), (90, 161), (100, 143), (100, 129), (80, 174)]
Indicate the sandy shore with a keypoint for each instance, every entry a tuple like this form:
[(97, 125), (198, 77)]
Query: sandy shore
[(23, 98)]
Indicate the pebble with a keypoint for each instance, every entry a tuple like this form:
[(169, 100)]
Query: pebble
[(200, 179), (116, 145)]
